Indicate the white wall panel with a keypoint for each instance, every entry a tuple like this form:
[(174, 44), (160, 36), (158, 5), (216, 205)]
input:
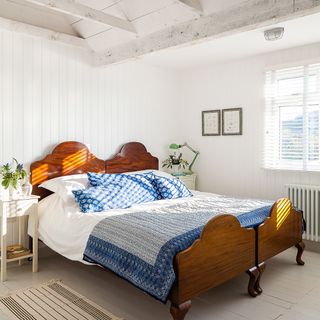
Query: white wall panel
[(50, 93), (232, 165)]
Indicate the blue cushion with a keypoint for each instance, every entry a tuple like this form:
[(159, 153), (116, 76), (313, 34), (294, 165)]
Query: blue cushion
[(147, 190), (171, 188), (96, 199)]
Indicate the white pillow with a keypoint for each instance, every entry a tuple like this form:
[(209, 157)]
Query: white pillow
[(63, 186), (163, 174)]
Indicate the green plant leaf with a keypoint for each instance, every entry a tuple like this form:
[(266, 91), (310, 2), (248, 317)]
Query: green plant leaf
[(5, 184)]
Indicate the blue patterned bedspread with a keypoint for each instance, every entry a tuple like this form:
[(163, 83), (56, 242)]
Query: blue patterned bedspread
[(140, 246)]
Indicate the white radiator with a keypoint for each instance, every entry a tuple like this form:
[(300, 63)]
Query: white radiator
[(307, 199)]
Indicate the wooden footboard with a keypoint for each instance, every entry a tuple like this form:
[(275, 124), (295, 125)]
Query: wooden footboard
[(223, 251), (282, 230)]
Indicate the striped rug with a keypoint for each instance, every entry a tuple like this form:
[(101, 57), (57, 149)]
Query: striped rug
[(51, 301)]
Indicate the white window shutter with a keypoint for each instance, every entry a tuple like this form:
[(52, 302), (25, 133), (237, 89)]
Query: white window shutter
[(292, 133)]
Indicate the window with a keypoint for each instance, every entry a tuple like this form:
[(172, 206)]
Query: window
[(292, 135)]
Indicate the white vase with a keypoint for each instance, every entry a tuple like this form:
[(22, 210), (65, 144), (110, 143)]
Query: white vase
[(19, 191), (26, 188)]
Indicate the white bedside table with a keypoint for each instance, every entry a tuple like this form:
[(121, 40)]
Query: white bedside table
[(189, 180), (18, 208)]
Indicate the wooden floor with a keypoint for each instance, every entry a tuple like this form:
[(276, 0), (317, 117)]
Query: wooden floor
[(291, 292)]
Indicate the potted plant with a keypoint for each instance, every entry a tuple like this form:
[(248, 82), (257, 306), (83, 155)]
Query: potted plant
[(12, 177), (175, 163)]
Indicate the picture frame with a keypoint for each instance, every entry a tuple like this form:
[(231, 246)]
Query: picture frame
[(232, 122), (211, 123)]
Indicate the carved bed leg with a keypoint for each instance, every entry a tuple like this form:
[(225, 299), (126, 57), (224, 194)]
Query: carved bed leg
[(180, 311), (254, 276), (261, 268), (300, 246)]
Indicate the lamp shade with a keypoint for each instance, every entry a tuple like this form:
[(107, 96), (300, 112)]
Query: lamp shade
[(174, 146)]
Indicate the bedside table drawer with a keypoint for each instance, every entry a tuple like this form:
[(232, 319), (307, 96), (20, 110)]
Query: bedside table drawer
[(189, 181), (19, 208)]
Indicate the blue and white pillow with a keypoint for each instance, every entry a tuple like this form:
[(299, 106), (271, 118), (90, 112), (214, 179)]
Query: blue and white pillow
[(116, 191), (171, 188), (147, 190), (146, 181), (96, 199)]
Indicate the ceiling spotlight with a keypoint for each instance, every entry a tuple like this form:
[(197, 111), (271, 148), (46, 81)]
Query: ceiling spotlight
[(274, 34)]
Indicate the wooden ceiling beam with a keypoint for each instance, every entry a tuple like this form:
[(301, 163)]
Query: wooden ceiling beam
[(84, 12), (250, 15), (39, 32), (193, 4)]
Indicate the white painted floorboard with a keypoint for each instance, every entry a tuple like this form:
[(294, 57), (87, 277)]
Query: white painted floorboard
[(291, 292)]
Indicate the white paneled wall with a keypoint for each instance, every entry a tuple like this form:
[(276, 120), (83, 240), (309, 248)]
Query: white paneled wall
[(232, 165), (50, 93)]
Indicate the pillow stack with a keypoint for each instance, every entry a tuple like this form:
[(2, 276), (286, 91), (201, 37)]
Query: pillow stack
[(96, 192), (121, 191)]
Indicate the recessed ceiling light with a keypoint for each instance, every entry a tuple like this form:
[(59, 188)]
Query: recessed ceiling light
[(274, 34)]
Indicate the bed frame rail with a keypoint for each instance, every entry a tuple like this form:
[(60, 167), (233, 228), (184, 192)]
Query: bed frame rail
[(282, 230), (210, 261)]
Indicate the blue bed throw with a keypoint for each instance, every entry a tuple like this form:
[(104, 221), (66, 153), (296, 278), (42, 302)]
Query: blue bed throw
[(140, 246)]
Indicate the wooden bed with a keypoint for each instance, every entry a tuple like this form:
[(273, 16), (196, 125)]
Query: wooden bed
[(224, 249)]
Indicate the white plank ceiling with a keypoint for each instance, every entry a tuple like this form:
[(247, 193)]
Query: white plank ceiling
[(146, 16), (115, 30)]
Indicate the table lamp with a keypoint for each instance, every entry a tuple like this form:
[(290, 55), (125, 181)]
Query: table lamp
[(175, 146)]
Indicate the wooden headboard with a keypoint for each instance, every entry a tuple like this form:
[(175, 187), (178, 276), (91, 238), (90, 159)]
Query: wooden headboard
[(66, 158), (133, 156), (73, 157)]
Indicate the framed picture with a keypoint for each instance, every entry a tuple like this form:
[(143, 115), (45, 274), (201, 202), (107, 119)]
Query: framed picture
[(232, 122), (211, 123)]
